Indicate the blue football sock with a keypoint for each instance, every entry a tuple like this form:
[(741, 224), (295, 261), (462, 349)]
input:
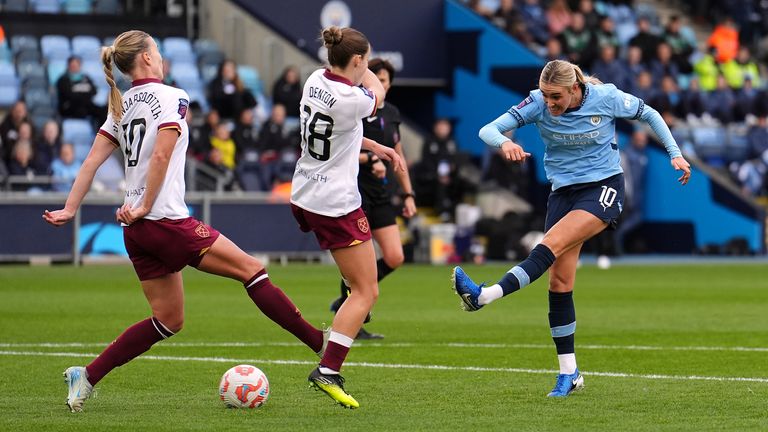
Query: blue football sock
[(537, 263), (562, 321)]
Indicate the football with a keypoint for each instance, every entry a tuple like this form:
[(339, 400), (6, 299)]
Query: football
[(244, 386)]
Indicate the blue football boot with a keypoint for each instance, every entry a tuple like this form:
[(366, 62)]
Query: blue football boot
[(467, 290), (567, 384)]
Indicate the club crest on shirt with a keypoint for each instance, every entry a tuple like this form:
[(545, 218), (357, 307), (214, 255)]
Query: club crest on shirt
[(183, 105), (525, 102), (202, 231), (362, 224), (595, 120)]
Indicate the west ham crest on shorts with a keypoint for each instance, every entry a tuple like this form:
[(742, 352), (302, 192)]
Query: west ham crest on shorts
[(202, 231), (362, 223)]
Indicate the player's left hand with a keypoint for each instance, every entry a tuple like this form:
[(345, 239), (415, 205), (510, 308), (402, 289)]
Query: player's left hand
[(128, 215), (680, 164), (58, 217)]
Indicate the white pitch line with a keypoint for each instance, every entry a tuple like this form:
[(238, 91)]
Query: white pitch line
[(399, 366), (398, 345)]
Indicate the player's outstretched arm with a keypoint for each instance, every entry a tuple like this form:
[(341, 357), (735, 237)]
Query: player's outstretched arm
[(657, 124), (384, 152), (100, 151)]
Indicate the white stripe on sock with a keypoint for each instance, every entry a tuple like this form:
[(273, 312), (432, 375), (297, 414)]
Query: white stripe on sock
[(340, 339), (157, 329), (166, 328), (257, 280)]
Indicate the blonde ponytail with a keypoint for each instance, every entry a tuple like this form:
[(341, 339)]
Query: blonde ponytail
[(123, 52), (585, 79), (115, 97)]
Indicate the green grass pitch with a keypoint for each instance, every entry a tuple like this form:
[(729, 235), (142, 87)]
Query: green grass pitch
[(661, 349)]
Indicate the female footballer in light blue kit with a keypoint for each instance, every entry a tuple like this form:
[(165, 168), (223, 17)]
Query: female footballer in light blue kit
[(576, 117)]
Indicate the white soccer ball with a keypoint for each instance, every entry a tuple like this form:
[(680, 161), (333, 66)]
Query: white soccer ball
[(244, 386)]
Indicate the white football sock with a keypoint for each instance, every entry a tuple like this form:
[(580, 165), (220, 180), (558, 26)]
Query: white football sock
[(567, 363), (489, 294)]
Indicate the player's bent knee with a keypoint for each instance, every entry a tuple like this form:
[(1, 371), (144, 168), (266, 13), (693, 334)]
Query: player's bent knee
[(394, 259)]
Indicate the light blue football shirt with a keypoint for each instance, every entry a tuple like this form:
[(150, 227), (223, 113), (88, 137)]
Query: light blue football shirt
[(580, 145)]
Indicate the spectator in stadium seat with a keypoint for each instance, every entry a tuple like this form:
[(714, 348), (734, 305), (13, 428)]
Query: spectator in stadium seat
[(222, 140), (536, 20), (608, 69), (720, 102), (9, 129), (663, 65), (644, 88), (167, 77), (277, 147), (227, 94), (633, 65), (746, 100), (436, 175), (76, 91), (646, 40), (667, 99), (160, 236), (681, 46), (554, 50), (707, 69), (578, 41), (21, 164), (605, 34), (506, 16), (47, 147), (64, 168), (558, 17), (751, 173), (693, 102), (725, 40), (287, 91), (592, 19), (743, 67), (245, 134), (575, 115)]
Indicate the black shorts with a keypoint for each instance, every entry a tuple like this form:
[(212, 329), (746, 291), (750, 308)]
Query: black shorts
[(380, 213), (604, 199)]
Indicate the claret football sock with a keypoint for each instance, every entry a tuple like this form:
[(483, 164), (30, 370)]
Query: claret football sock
[(135, 340), (273, 302)]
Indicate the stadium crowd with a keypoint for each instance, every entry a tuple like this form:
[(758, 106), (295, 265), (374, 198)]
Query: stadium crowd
[(244, 137)]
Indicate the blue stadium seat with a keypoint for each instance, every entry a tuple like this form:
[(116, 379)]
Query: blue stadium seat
[(178, 50), (250, 77), (709, 144), (737, 146), (108, 40), (94, 71), (35, 82), (87, 47), (107, 7), (7, 74), (80, 133), (77, 6), (9, 94), (102, 95), (206, 45), (28, 56), (211, 58), (46, 6), (198, 95), (24, 42), (37, 97), (55, 47), (29, 69), (42, 113), (55, 70), (186, 76), (111, 173), (15, 6), (5, 53), (208, 72)]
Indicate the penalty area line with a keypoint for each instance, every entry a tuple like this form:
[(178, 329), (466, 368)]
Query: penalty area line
[(399, 366)]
